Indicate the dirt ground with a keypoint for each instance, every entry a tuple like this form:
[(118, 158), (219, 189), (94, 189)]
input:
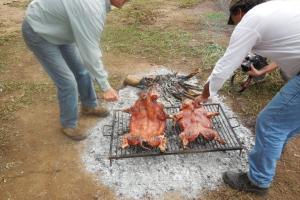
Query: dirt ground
[(38, 162)]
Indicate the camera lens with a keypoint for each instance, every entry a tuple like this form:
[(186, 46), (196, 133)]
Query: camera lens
[(246, 66)]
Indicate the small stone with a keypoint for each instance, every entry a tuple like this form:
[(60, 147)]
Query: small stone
[(172, 189)]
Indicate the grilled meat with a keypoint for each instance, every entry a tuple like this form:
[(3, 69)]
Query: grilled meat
[(147, 122), (195, 121)]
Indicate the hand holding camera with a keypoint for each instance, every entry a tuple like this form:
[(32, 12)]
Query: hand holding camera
[(254, 72), (257, 61), (250, 69)]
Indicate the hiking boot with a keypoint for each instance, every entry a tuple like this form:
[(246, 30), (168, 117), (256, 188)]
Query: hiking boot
[(99, 111), (240, 181), (74, 133)]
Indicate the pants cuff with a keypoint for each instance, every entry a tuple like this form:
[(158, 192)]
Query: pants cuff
[(265, 186)]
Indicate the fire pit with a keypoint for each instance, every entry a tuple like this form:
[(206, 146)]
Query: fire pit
[(221, 124), (186, 174)]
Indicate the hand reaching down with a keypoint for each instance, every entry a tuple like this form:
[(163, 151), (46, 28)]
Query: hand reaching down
[(110, 95)]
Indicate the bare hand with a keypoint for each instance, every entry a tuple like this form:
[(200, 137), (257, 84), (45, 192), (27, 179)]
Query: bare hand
[(110, 95), (200, 100), (118, 3), (254, 72), (205, 93)]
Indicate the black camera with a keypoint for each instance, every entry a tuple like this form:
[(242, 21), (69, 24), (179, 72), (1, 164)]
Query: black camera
[(256, 60)]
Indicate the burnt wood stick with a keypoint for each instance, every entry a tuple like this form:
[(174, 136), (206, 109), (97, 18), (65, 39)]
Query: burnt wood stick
[(188, 96), (167, 96), (188, 86), (189, 76), (177, 96), (193, 87), (187, 91), (193, 93)]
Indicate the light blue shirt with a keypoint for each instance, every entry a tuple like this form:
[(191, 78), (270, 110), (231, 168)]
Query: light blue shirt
[(73, 21)]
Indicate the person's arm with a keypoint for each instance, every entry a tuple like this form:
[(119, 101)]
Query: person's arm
[(254, 72), (241, 43), (87, 31), (204, 96), (269, 68)]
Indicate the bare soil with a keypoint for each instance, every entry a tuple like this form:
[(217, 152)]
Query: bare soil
[(38, 162)]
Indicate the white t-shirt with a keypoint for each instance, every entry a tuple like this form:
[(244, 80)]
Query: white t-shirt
[(272, 30)]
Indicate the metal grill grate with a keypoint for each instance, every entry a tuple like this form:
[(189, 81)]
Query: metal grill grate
[(221, 124)]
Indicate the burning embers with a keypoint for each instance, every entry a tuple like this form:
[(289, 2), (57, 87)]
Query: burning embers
[(148, 123)]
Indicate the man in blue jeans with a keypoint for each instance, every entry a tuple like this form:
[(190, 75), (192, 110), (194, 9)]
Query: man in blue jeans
[(64, 36), (270, 29)]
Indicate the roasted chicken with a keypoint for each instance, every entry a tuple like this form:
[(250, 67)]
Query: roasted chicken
[(147, 122), (195, 121)]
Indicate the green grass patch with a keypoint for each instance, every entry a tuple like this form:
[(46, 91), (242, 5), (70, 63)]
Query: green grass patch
[(138, 12), (215, 16), (11, 44), (7, 39), (128, 31), (254, 99), (18, 4), (210, 54), (161, 45), (188, 3), (15, 95), (151, 43), (2, 66), (214, 21)]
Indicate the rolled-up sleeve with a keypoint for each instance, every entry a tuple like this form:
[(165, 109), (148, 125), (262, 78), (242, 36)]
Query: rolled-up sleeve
[(241, 43)]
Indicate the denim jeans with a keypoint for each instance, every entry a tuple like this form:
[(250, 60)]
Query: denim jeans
[(65, 67), (276, 124)]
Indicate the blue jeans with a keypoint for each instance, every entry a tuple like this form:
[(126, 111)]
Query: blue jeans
[(277, 123), (65, 67)]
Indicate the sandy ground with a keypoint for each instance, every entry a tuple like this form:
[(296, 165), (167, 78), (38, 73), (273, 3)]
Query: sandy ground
[(38, 162)]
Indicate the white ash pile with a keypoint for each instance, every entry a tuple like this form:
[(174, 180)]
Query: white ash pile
[(152, 177)]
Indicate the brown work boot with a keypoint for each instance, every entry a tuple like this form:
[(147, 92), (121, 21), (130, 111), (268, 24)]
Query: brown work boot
[(99, 111), (75, 133)]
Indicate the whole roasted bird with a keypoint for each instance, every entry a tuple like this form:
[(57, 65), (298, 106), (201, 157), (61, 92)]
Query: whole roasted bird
[(147, 122), (195, 121)]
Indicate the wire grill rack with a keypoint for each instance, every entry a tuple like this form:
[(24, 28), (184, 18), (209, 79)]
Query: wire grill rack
[(221, 123)]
